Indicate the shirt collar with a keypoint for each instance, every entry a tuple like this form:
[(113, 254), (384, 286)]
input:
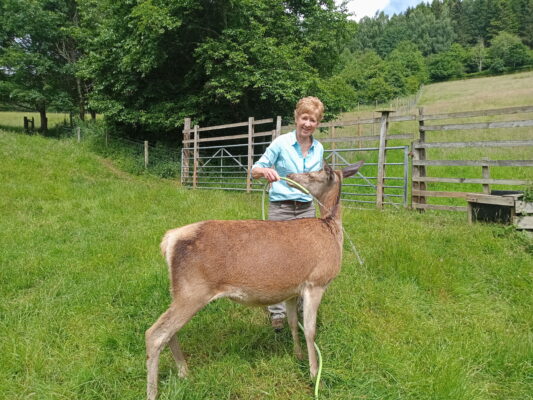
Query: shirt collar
[(294, 141)]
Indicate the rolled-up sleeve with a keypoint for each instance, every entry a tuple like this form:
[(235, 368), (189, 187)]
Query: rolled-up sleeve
[(268, 159)]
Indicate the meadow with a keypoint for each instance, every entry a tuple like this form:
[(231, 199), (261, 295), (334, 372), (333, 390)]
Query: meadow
[(439, 310), (14, 120)]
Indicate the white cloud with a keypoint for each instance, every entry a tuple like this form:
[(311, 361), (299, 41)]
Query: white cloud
[(365, 8), (368, 8)]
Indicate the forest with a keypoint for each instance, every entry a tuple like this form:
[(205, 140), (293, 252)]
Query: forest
[(147, 64)]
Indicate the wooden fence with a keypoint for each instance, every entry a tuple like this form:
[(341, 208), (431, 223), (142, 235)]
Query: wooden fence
[(196, 141), (427, 140), (518, 132), (192, 146)]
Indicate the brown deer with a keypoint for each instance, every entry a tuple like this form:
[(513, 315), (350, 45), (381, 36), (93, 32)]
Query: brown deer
[(255, 263)]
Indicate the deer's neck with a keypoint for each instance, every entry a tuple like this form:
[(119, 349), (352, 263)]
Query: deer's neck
[(330, 207)]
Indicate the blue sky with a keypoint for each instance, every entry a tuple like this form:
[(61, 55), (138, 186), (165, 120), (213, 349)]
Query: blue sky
[(367, 8)]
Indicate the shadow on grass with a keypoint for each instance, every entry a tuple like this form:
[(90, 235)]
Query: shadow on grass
[(56, 132)]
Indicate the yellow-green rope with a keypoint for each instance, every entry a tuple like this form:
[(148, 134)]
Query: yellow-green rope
[(300, 187)]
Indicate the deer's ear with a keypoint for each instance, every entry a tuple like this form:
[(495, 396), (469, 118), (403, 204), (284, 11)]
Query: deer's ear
[(329, 171), (352, 169)]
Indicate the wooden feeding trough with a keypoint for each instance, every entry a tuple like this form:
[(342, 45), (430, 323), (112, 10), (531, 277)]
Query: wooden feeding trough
[(506, 207)]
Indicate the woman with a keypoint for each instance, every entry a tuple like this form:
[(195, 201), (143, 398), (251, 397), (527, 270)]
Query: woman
[(293, 152)]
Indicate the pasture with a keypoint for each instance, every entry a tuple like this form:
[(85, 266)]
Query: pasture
[(14, 119), (440, 309)]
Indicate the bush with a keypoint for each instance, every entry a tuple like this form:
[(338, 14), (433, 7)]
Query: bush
[(508, 52), (447, 65)]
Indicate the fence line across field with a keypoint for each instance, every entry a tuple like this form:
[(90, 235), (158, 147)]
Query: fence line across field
[(218, 162), (420, 170)]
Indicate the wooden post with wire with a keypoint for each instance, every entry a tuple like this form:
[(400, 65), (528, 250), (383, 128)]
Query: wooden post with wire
[(250, 154), (333, 147), (485, 170), (196, 155), (277, 132), (419, 171), (146, 154), (186, 151), (384, 127)]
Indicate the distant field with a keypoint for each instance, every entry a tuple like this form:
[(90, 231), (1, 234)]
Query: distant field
[(479, 94), (15, 119)]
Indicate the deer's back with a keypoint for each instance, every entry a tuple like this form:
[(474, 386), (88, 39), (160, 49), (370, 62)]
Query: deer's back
[(254, 255)]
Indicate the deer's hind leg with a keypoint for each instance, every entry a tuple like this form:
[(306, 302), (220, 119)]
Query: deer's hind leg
[(163, 332)]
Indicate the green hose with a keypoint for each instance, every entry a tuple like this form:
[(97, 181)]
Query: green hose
[(319, 374)]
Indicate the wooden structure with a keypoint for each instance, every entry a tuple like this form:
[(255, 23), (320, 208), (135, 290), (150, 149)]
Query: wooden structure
[(506, 208), (437, 137), (29, 124), (421, 161), (193, 145)]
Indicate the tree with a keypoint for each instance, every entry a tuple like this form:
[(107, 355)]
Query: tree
[(35, 74), (508, 51), (154, 62), (406, 60), (448, 64), (478, 55)]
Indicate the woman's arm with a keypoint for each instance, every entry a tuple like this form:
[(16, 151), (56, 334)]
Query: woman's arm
[(269, 174)]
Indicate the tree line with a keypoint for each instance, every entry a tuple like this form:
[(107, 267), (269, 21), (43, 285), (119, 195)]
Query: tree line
[(148, 64)]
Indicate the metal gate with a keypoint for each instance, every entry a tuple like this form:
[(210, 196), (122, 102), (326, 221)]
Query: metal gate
[(225, 167), (361, 189)]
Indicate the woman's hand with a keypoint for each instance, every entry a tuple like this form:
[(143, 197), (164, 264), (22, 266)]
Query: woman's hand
[(269, 174)]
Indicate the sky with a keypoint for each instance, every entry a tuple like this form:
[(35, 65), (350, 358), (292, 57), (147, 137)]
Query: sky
[(367, 8)]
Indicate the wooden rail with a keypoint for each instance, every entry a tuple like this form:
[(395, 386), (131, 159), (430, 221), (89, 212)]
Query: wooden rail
[(422, 144), (420, 180), (196, 142), (193, 140)]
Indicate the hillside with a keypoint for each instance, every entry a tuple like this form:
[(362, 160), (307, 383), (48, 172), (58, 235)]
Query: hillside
[(440, 309)]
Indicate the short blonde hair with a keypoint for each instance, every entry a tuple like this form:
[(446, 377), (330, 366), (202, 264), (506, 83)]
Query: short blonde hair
[(310, 105)]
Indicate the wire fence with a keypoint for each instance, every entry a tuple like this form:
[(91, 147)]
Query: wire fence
[(133, 155)]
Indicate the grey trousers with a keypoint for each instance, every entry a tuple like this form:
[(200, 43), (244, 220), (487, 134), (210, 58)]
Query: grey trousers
[(284, 212)]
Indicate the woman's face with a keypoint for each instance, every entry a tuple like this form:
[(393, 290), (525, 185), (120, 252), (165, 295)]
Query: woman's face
[(306, 123)]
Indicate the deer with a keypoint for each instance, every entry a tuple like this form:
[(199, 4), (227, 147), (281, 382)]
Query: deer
[(253, 262)]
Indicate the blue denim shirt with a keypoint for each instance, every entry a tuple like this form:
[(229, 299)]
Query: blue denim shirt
[(285, 155)]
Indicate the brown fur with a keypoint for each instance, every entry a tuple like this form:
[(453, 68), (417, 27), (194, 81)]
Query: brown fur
[(255, 263)]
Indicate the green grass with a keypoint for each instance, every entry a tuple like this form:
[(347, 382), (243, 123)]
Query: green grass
[(440, 310), (15, 119)]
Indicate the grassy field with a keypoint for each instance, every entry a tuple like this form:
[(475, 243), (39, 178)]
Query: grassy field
[(15, 119), (440, 309)]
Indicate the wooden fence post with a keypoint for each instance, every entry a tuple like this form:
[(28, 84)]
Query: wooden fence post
[(419, 171), (359, 132), (78, 133), (186, 151), (196, 155), (485, 170), (250, 154), (333, 147), (382, 157), (146, 154), (277, 133), (26, 127)]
